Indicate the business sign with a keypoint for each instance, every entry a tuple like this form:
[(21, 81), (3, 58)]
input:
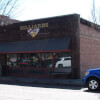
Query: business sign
[(33, 30), (35, 26)]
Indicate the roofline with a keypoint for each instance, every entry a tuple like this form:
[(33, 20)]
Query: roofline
[(83, 21), (50, 17), (47, 18), (90, 24)]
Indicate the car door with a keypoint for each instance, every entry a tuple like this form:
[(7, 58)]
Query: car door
[(67, 62)]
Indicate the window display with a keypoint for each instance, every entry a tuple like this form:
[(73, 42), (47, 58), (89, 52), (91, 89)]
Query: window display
[(35, 59), (46, 60), (13, 60), (23, 60)]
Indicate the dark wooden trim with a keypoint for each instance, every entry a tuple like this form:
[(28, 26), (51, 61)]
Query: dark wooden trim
[(69, 50)]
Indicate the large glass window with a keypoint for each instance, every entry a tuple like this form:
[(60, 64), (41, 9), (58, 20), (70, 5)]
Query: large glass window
[(36, 60), (46, 60), (23, 60), (13, 60), (62, 59)]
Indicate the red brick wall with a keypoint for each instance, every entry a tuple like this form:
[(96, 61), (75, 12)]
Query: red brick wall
[(89, 48)]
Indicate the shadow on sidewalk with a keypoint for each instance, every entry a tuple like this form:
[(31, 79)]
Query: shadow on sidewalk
[(97, 91), (42, 85)]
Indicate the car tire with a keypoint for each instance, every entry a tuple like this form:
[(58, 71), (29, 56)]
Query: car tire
[(93, 84), (60, 66)]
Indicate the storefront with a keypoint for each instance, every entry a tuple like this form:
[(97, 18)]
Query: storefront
[(54, 47), (48, 58), (38, 48)]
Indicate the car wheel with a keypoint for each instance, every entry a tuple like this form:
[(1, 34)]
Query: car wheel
[(93, 84), (60, 66)]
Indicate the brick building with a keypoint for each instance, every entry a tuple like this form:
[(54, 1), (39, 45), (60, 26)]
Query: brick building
[(58, 47), (5, 20)]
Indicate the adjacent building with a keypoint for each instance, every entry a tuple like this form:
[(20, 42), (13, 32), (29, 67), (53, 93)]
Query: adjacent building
[(5, 20)]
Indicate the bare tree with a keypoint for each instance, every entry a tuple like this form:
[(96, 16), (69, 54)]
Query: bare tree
[(8, 9), (95, 14)]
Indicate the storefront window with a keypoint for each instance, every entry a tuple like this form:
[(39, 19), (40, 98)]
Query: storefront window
[(13, 60), (62, 59), (36, 60), (23, 60), (46, 60)]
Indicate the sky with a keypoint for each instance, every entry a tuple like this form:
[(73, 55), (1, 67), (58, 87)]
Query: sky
[(35, 9)]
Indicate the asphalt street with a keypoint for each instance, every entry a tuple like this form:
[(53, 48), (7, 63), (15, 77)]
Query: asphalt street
[(20, 91)]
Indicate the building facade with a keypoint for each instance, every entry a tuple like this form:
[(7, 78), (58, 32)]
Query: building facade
[(5, 20), (57, 47)]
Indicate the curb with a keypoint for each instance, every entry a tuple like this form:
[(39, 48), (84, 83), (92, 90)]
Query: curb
[(58, 82)]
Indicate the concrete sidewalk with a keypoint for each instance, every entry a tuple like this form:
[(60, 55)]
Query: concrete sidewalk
[(63, 82)]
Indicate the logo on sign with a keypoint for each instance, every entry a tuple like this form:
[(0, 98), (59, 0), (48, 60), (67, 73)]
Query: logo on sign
[(33, 32)]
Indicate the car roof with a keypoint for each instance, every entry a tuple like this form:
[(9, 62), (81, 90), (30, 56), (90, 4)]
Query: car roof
[(64, 57)]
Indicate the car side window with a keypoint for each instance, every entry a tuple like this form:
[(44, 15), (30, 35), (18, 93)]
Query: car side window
[(67, 59)]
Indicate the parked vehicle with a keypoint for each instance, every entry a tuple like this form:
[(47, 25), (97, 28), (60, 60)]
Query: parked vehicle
[(92, 79), (63, 62)]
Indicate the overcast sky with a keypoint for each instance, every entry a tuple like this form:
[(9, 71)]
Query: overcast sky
[(34, 9)]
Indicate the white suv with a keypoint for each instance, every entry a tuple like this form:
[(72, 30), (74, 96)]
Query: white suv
[(63, 62)]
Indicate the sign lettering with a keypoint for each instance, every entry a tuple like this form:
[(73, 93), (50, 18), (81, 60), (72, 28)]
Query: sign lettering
[(26, 27)]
